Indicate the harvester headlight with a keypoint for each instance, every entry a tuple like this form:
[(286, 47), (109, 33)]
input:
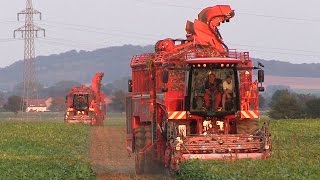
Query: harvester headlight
[(267, 147), (178, 143), (204, 65), (222, 65), (227, 65), (199, 65)]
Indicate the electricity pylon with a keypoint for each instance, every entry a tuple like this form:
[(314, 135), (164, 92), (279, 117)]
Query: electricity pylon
[(28, 32)]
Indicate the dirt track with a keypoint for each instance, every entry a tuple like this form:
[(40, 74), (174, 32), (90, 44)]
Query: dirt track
[(108, 155)]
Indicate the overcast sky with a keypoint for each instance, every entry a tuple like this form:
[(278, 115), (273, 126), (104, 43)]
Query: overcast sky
[(274, 30)]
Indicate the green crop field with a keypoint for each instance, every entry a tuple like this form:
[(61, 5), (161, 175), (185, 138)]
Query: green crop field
[(295, 155), (46, 149)]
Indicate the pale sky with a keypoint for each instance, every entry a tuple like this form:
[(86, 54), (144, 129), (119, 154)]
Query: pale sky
[(283, 30)]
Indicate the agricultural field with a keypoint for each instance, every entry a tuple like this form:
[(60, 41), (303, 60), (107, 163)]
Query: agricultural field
[(44, 148)]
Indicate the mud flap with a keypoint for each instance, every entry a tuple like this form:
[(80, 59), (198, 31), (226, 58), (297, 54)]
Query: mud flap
[(247, 126)]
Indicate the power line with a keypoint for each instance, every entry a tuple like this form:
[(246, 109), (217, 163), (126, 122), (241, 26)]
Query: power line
[(76, 43), (281, 17), (7, 40), (100, 28), (277, 52), (276, 48), (103, 32), (242, 12), (58, 41)]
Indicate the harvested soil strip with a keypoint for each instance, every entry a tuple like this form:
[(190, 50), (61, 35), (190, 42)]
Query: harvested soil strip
[(108, 155)]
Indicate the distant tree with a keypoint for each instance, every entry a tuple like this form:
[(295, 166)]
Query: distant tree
[(37, 88), (61, 88), (313, 108), (118, 101), (2, 100), (262, 101), (285, 105), (108, 89), (14, 104), (271, 89), (121, 84), (58, 104)]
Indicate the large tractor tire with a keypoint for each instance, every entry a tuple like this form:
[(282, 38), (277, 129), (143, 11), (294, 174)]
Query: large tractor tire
[(139, 144), (101, 120), (148, 135), (149, 163), (152, 166), (139, 163)]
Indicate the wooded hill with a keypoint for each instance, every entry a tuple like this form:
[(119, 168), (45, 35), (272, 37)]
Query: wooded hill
[(81, 65)]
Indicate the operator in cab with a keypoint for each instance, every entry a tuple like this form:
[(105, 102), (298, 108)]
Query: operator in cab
[(213, 92), (227, 92)]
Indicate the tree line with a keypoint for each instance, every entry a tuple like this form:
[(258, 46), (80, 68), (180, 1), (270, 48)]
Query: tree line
[(283, 103), (289, 105), (12, 101)]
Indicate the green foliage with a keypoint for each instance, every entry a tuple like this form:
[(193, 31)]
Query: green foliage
[(313, 108), (58, 104), (284, 105), (14, 104), (295, 155), (36, 86), (44, 150), (262, 101), (61, 88), (118, 102)]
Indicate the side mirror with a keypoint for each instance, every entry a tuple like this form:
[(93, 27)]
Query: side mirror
[(164, 89), (261, 89), (260, 75), (130, 85), (165, 76)]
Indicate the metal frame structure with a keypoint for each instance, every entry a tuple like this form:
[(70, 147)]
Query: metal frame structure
[(28, 32)]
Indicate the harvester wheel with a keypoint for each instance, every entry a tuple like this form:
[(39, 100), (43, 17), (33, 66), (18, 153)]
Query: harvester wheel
[(139, 163), (148, 135), (149, 162), (139, 144), (99, 123), (100, 119), (171, 172), (139, 138)]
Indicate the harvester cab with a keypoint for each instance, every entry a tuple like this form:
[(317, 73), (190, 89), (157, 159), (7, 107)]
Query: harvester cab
[(212, 89), (81, 102)]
